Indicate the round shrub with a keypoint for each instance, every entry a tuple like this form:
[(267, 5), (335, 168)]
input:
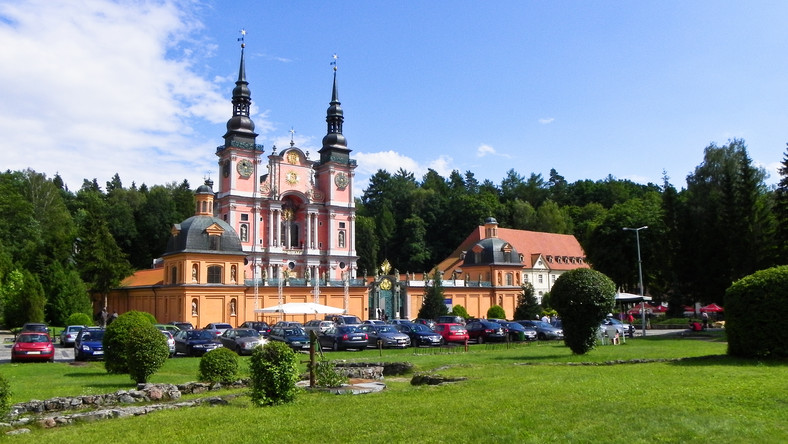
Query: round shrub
[(582, 297), (326, 374), (79, 319), (756, 306), (219, 365), (118, 332), (459, 310), (146, 350), (5, 397), (274, 373), (496, 312)]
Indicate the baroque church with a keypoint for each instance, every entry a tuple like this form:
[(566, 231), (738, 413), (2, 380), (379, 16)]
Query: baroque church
[(281, 228)]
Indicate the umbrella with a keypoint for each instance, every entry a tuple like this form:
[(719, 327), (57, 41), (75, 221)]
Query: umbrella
[(301, 308), (711, 308)]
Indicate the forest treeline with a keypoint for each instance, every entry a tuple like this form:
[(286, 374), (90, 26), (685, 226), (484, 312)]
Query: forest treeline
[(724, 224)]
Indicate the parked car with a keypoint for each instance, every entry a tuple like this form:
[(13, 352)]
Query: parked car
[(343, 319), (217, 327), (182, 325), (387, 334), (35, 327), (242, 340), (517, 332), (262, 327), (294, 336), (375, 322), (543, 330), (196, 342), (451, 319), (168, 327), (69, 335), (621, 327), (419, 334), (343, 337), (452, 332), (318, 326), (170, 342), (428, 322), (89, 344), (282, 324), (481, 331), (33, 346), (399, 321)]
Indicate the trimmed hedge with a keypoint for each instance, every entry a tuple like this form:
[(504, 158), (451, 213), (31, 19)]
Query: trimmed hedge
[(582, 297), (79, 319), (146, 350), (756, 306), (274, 373), (219, 365), (118, 332)]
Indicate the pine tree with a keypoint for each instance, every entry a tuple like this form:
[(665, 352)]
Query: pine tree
[(434, 304)]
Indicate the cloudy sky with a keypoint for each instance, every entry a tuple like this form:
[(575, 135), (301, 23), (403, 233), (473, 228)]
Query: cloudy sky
[(89, 88)]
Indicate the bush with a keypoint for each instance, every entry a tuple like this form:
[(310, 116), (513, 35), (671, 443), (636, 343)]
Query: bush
[(459, 310), (496, 312), (582, 297), (326, 375), (79, 319), (755, 308), (116, 336), (274, 373), (146, 350), (219, 365), (5, 397)]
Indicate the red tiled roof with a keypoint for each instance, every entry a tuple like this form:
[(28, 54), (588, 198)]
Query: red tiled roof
[(531, 244)]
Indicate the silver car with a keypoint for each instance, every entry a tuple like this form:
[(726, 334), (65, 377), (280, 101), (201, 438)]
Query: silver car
[(69, 335)]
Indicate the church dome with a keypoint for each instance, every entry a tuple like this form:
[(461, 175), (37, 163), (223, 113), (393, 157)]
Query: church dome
[(492, 251), (204, 234)]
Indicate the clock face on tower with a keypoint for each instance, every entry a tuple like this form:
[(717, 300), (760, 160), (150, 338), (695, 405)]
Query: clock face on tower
[(245, 168), (340, 180)]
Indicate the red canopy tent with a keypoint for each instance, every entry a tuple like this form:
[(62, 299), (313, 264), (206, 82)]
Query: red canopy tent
[(711, 308)]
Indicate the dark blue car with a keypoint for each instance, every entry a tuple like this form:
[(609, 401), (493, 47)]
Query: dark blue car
[(420, 334), (89, 344)]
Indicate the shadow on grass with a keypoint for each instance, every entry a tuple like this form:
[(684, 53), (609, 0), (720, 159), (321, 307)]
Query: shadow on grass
[(729, 361)]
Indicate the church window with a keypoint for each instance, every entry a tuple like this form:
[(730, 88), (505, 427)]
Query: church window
[(244, 217), (174, 275), (341, 225), (215, 274), (509, 279)]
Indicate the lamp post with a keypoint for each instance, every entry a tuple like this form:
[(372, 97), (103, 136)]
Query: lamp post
[(640, 275)]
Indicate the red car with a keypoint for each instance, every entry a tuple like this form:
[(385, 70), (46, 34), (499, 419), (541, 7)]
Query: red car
[(33, 346), (452, 332)]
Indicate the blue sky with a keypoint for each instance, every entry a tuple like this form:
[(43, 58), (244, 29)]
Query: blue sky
[(629, 89)]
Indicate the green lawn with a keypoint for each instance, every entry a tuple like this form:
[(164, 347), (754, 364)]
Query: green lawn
[(535, 393)]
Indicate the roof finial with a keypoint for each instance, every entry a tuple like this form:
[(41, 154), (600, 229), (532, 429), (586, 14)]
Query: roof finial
[(292, 133), (241, 38), (334, 63)]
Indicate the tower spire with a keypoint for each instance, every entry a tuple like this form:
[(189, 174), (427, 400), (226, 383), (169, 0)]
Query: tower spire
[(334, 143), (240, 127)]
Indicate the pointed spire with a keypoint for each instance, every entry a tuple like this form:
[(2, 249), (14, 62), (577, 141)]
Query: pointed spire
[(240, 126), (334, 143)]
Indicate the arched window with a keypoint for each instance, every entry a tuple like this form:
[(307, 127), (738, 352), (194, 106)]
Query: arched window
[(509, 279), (215, 274)]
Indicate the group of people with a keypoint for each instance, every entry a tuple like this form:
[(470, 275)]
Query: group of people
[(104, 318)]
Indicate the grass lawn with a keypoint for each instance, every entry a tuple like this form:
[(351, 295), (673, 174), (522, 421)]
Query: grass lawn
[(534, 393)]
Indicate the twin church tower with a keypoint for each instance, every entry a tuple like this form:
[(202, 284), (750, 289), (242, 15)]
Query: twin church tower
[(295, 216)]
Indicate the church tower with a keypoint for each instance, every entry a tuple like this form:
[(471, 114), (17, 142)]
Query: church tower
[(294, 216)]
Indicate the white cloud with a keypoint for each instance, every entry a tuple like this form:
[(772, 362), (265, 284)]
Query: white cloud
[(546, 121), (96, 87), (484, 150)]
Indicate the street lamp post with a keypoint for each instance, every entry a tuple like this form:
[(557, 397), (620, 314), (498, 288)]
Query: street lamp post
[(640, 275)]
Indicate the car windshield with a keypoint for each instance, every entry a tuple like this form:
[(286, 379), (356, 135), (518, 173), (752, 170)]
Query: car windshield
[(222, 326), (74, 328), (200, 334), (421, 328), (386, 329), (33, 338), (247, 333), (294, 332), (95, 335), (456, 328)]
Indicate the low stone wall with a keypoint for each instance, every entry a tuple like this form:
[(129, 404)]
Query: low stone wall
[(145, 393), (373, 370)]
